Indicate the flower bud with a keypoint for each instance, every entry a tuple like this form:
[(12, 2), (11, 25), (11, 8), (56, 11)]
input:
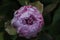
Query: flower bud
[(28, 21)]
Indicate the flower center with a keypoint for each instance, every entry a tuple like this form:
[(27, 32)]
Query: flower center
[(29, 21)]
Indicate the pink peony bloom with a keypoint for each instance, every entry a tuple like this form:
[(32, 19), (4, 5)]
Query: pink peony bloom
[(28, 21)]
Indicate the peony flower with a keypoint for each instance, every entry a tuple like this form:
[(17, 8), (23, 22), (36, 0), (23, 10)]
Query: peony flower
[(27, 21)]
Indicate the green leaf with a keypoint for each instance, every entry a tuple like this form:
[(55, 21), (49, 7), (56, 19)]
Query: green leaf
[(54, 28), (1, 36), (39, 5), (56, 21), (23, 2), (48, 12), (9, 29), (56, 16), (50, 7)]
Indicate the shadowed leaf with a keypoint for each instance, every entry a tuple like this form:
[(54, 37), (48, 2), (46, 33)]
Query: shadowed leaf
[(1, 36), (50, 7), (23, 2), (9, 29), (39, 5), (54, 29), (56, 15)]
